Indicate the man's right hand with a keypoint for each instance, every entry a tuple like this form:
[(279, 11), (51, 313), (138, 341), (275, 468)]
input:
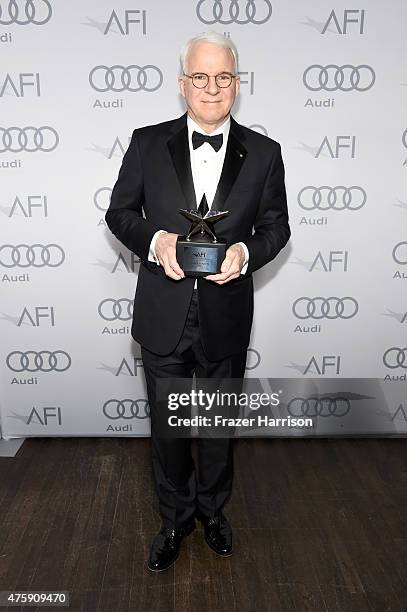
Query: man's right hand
[(165, 250)]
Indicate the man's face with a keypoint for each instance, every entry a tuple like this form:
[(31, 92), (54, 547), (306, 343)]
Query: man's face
[(211, 105)]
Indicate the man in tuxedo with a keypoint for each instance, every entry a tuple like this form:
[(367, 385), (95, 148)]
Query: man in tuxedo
[(187, 326)]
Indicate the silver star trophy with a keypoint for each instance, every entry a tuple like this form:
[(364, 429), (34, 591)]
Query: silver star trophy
[(200, 251)]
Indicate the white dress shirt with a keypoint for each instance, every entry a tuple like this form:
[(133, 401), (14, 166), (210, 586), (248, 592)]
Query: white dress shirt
[(206, 166)]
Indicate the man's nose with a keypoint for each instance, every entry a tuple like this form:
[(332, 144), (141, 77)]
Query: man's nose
[(212, 87)]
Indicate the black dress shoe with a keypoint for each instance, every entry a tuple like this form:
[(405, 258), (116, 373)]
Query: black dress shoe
[(166, 546), (218, 533)]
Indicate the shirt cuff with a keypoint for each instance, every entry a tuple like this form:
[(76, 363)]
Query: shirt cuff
[(151, 253), (246, 257)]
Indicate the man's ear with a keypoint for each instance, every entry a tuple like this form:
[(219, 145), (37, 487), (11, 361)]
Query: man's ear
[(181, 84), (237, 85)]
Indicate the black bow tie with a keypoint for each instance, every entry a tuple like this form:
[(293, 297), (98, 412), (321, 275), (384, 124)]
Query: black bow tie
[(215, 141)]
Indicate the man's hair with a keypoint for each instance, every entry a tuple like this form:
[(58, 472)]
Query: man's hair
[(209, 37)]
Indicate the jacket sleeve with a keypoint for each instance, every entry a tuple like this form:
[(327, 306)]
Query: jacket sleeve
[(124, 216), (271, 228)]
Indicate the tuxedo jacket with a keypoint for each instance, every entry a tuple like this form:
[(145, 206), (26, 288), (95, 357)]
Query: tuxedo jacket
[(154, 182)]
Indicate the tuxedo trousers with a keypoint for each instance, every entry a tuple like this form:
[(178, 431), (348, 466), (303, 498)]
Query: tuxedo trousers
[(185, 490)]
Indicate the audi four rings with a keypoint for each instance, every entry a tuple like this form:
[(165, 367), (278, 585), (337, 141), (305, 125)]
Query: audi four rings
[(233, 11), (107, 192), (251, 365), (38, 361), (113, 310), (16, 139), (333, 77), (35, 255), (335, 198), (397, 256), (36, 12), (325, 308), (319, 406), (126, 409), (126, 78), (395, 357)]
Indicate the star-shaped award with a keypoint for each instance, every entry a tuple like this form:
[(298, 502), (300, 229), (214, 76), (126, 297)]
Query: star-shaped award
[(200, 252), (202, 223)]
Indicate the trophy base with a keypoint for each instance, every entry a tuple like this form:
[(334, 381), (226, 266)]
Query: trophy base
[(200, 257)]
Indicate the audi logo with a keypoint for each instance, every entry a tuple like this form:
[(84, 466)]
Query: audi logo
[(396, 254), (253, 358), (131, 78), (333, 77), (126, 409), (30, 139), (112, 310), (103, 194), (319, 406), (35, 255), (404, 138), (257, 127), (42, 361), (336, 198), (395, 357), (325, 308), (36, 12), (250, 14)]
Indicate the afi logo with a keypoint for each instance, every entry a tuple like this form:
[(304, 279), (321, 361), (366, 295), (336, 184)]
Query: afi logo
[(27, 203), (129, 17), (400, 414), (21, 84), (329, 261), (44, 415), (121, 262), (128, 369), (327, 364), (34, 316), (333, 150), (340, 24)]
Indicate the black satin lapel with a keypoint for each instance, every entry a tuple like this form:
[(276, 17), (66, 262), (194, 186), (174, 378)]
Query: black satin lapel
[(179, 150), (234, 158)]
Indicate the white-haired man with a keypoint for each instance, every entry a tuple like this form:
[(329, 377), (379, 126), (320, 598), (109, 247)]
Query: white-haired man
[(202, 327)]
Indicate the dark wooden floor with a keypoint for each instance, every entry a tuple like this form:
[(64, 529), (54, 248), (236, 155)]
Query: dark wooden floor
[(318, 525)]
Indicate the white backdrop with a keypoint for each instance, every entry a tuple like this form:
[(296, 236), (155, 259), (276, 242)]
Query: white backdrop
[(327, 82)]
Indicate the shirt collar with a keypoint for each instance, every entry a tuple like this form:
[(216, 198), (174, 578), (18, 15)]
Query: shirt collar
[(223, 129)]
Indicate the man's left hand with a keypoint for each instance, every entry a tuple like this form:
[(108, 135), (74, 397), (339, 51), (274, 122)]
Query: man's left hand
[(231, 265)]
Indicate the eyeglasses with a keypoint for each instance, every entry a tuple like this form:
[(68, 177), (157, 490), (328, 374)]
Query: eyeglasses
[(200, 79)]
